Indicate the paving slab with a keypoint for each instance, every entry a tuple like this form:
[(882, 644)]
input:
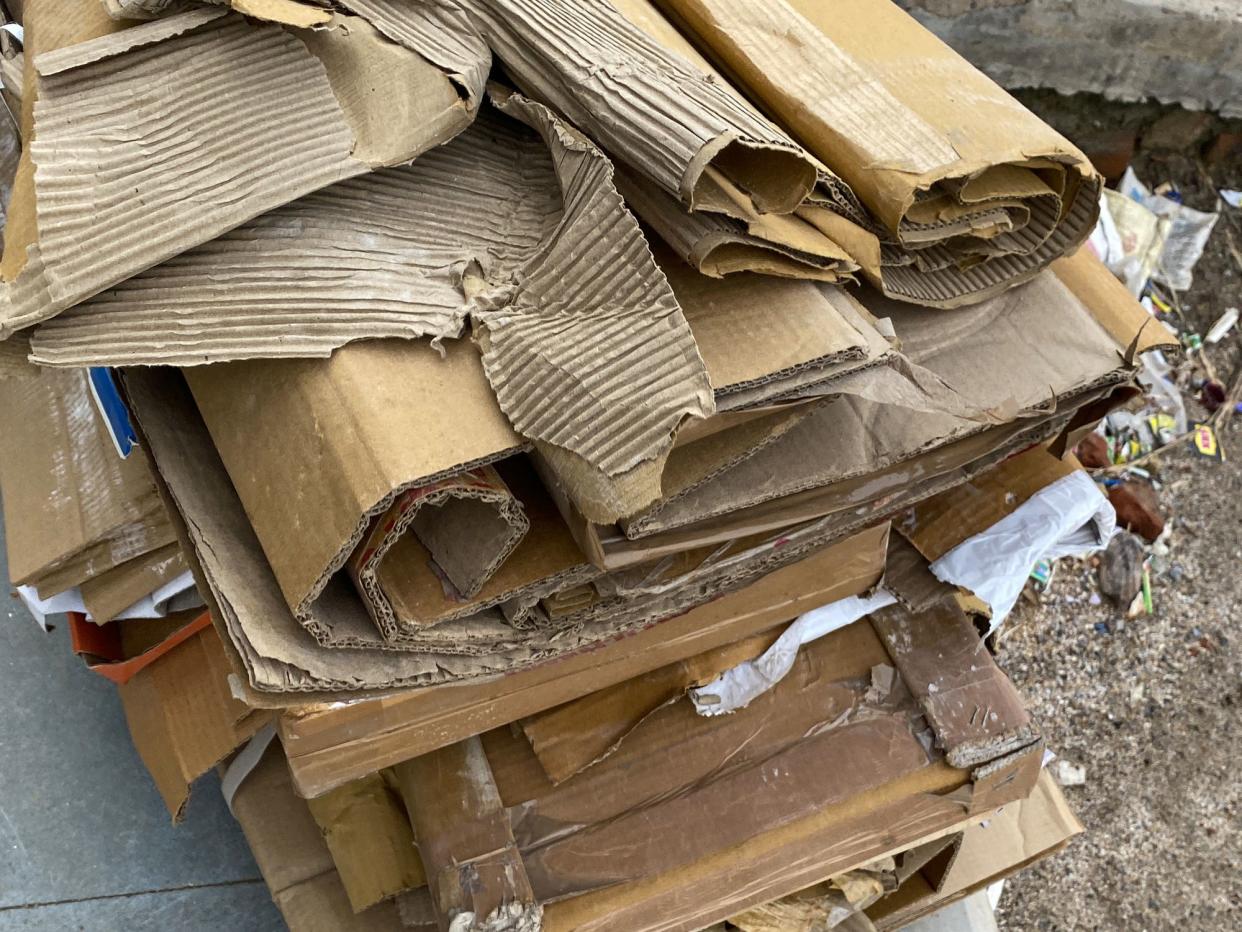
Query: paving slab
[(81, 821)]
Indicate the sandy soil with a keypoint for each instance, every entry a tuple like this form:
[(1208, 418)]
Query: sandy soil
[(1152, 706)]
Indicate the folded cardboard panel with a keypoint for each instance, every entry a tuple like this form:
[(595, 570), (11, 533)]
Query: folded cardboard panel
[(828, 743), (329, 745), (323, 102), (1018, 835), (294, 858), (73, 508), (1011, 357)]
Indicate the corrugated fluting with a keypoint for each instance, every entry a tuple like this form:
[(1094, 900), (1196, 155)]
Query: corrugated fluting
[(380, 255), (593, 354), (189, 136), (607, 77)]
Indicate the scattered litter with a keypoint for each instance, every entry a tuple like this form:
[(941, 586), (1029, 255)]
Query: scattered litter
[(1068, 774), (1226, 322)]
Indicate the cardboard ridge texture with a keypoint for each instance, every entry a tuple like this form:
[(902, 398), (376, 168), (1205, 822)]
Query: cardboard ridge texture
[(319, 106)]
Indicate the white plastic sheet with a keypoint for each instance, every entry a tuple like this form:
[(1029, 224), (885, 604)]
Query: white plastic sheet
[(1069, 518), (174, 596), (736, 688)]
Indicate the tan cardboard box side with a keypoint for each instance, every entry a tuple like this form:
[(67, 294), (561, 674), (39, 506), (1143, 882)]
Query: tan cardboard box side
[(182, 717)]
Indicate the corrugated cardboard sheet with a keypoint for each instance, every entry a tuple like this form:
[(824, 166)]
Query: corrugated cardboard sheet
[(329, 745), (183, 718), (515, 241), (1011, 358), (968, 199), (73, 508), (281, 655), (318, 106)]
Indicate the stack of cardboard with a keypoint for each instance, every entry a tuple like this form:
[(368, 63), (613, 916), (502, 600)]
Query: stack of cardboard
[(501, 366)]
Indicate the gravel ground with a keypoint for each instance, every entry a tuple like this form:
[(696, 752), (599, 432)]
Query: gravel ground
[(1150, 706)]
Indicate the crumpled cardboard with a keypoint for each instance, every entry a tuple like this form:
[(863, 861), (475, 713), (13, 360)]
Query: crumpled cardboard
[(985, 352), (519, 250), (357, 100), (282, 656), (968, 200)]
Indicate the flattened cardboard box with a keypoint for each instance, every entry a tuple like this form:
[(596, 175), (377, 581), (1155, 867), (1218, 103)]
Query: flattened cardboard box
[(340, 87), (565, 833), (73, 508), (330, 745)]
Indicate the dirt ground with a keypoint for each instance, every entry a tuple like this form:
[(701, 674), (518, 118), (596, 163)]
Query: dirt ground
[(1150, 706)]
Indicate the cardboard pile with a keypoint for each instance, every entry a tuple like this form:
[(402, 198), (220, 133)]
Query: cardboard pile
[(528, 382)]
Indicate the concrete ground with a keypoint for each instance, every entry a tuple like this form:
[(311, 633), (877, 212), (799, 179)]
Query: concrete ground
[(85, 841)]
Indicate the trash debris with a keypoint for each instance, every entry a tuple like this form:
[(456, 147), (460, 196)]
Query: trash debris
[(1185, 236), (1068, 774), (1222, 326)]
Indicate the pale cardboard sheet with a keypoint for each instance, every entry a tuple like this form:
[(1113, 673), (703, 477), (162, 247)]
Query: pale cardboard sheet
[(1012, 356), (73, 508), (263, 115)]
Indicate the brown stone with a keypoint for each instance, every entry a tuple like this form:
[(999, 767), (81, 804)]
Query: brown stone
[(1092, 452), (1138, 508)]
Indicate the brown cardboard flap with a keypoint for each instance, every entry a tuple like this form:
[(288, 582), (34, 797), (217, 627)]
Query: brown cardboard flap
[(1012, 838), (368, 832), (477, 878), (573, 736), (972, 706), (73, 508), (110, 593), (320, 414), (183, 718), (986, 353), (1112, 305), (294, 858)]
